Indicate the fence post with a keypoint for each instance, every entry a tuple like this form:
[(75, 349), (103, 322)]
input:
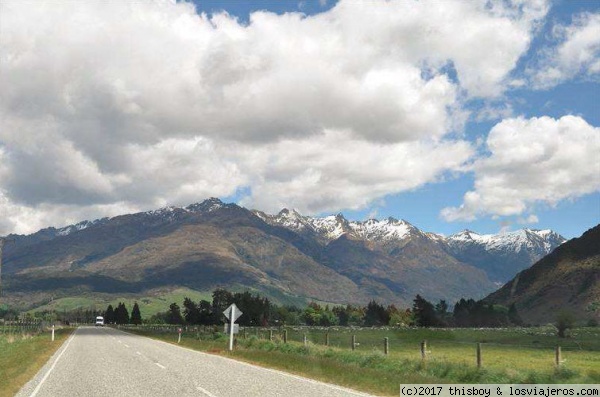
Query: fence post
[(353, 342), (557, 358), (285, 336), (305, 340), (478, 355), (423, 350), (386, 345), (271, 335), (327, 339)]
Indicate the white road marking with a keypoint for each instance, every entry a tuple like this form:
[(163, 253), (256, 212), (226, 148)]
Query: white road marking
[(162, 366), (138, 353), (39, 386), (126, 345), (300, 378), (120, 342), (209, 394)]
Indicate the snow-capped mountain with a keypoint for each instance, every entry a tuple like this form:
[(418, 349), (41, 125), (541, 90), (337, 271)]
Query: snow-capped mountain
[(500, 255), (332, 227), (503, 255), (64, 231), (214, 243), (538, 242)]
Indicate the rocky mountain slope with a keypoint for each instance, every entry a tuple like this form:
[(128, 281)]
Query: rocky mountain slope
[(566, 279), (290, 257), (500, 256)]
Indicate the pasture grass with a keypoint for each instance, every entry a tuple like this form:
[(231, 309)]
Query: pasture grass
[(22, 356), (509, 356)]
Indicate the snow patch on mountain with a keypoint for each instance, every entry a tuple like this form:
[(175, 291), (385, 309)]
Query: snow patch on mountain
[(333, 227), (541, 241), (65, 231), (535, 243)]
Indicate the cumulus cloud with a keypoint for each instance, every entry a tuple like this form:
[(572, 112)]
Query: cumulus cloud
[(336, 171), (537, 160), (108, 106), (576, 55)]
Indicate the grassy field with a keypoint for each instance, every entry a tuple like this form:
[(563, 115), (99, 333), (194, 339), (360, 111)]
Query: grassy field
[(22, 355), (509, 356), (149, 305)]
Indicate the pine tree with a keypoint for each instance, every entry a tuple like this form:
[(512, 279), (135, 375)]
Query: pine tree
[(375, 314), (121, 314), (424, 312), (109, 315), (174, 314), (136, 316), (191, 311)]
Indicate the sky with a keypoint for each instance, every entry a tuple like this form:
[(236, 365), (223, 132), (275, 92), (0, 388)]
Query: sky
[(449, 114)]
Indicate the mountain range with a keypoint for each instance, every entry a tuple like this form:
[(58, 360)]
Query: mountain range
[(289, 257), (566, 280)]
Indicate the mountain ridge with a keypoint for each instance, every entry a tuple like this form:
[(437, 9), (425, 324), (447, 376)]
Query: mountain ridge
[(212, 243)]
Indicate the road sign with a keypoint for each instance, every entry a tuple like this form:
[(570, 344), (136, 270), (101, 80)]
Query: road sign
[(236, 312), (236, 328)]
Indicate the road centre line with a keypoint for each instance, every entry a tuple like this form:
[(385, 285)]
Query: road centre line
[(162, 366), (39, 386), (209, 394), (286, 374)]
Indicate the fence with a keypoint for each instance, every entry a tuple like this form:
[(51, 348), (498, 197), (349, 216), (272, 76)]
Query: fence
[(22, 327), (487, 349)]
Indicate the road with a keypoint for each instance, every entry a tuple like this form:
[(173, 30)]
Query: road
[(98, 361)]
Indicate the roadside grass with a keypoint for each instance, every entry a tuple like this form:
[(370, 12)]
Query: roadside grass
[(22, 356), (507, 357)]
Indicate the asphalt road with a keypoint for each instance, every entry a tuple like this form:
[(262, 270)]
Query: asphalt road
[(107, 362)]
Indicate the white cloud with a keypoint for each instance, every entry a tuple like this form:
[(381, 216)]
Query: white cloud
[(114, 105), (336, 171), (577, 54), (537, 160), (532, 218)]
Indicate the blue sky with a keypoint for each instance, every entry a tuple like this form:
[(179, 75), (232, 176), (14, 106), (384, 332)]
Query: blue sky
[(450, 115), (422, 205)]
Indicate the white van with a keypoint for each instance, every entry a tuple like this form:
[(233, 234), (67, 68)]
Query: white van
[(99, 321)]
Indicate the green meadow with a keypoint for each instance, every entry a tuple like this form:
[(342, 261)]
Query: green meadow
[(520, 355)]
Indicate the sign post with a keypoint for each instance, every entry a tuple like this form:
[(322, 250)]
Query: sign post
[(232, 313)]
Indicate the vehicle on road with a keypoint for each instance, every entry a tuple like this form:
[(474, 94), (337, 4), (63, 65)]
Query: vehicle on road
[(99, 321)]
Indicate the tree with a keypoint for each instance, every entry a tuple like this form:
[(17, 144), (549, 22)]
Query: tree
[(109, 315), (191, 312), (205, 309), (121, 314), (441, 312), (424, 312), (174, 315), (221, 300), (375, 314), (564, 321), (136, 316)]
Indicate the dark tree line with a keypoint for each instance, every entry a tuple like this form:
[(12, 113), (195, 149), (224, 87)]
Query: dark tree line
[(256, 309), (259, 311), (120, 315), (466, 313)]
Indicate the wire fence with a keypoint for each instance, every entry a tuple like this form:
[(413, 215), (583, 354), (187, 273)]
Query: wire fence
[(22, 327)]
